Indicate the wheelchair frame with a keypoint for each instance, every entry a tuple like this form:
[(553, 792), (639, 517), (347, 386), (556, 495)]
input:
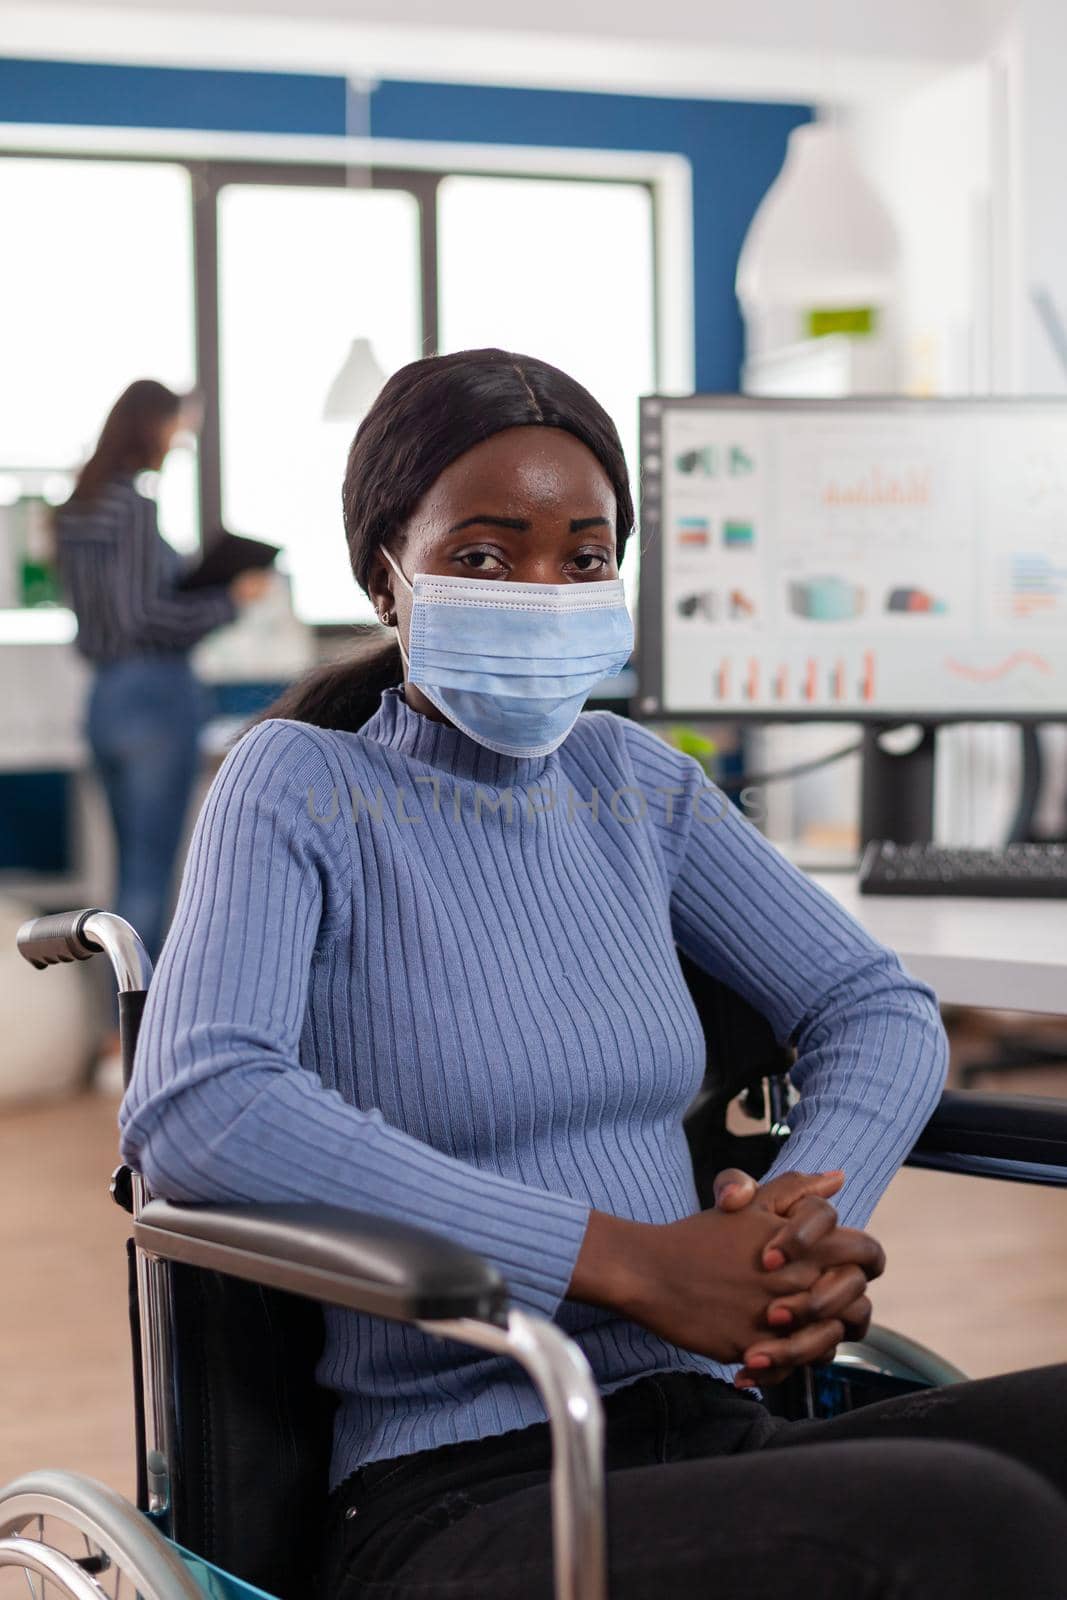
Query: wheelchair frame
[(339, 1258), (365, 1263)]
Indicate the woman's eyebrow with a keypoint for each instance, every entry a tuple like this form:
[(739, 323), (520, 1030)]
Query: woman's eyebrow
[(493, 522), (578, 524)]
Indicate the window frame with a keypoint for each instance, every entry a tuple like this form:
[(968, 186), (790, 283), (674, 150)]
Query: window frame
[(214, 162), (209, 180)]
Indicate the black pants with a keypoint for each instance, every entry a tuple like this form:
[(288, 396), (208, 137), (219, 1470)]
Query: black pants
[(957, 1493)]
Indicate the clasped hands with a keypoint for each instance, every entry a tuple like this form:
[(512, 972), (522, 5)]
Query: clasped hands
[(817, 1271), (766, 1280)]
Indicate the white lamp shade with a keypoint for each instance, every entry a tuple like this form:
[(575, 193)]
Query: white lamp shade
[(821, 236), (356, 386)]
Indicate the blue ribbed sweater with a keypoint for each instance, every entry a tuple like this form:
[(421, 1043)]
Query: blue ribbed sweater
[(390, 987)]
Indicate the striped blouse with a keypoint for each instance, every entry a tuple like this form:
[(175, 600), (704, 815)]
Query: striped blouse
[(120, 576)]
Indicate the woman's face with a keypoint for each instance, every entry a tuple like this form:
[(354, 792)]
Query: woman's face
[(176, 429), (529, 505)]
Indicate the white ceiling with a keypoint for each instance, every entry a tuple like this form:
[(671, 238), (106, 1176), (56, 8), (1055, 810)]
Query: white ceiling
[(947, 30), (836, 49)]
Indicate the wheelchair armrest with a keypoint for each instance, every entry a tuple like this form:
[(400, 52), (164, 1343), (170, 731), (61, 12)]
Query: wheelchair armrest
[(342, 1258), (991, 1135)]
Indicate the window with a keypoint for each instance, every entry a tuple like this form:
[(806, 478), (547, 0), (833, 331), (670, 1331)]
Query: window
[(96, 289), (302, 273), (558, 269), (101, 290)]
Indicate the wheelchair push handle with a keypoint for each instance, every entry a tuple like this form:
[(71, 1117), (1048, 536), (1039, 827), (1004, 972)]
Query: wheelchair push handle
[(44, 941), (77, 935)]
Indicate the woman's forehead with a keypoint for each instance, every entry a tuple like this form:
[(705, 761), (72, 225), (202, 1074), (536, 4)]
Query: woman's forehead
[(534, 467)]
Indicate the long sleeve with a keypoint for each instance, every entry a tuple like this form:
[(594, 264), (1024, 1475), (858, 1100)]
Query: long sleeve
[(119, 575), (220, 1107), (871, 1049)]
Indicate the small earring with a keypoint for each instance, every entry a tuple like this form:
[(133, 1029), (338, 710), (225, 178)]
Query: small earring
[(387, 619)]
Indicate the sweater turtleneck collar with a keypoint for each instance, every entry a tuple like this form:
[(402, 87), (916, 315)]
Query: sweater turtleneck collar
[(398, 726)]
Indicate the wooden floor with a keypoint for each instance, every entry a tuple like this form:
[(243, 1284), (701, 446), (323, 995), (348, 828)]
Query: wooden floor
[(977, 1270), (65, 1381)]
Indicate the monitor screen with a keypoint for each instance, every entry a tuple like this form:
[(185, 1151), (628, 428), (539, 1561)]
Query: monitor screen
[(853, 558)]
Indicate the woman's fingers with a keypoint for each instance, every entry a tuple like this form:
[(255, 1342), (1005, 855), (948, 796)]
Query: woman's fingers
[(831, 1295), (784, 1191), (812, 1343), (836, 1247), (733, 1189), (810, 1219), (851, 1245), (781, 1194), (766, 1378), (857, 1318)]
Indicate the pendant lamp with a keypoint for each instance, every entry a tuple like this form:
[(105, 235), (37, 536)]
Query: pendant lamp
[(821, 236), (356, 386)]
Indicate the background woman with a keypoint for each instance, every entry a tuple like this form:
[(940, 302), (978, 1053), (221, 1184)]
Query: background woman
[(424, 965), (136, 627)]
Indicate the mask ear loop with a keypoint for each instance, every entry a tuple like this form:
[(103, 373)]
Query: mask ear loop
[(411, 591)]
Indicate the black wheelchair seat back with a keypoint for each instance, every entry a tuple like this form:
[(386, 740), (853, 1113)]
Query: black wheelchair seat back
[(254, 1428), (742, 1054)]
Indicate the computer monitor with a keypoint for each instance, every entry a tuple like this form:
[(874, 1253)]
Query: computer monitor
[(878, 561)]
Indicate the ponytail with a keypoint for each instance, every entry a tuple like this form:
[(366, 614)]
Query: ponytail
[(341, 694)]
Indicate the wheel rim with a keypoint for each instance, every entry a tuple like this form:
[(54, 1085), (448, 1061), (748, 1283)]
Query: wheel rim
[(104, 1548), (46, 1570)]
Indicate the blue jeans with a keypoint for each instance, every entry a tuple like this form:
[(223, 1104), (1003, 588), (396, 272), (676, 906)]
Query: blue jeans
[(144, 719)]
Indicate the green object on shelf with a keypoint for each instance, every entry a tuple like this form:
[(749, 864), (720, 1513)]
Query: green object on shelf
[(692, 743), (38, 584), (36, 575), (855, 320)]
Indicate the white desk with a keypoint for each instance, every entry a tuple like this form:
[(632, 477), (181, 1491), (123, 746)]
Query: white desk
[(1010, 955)]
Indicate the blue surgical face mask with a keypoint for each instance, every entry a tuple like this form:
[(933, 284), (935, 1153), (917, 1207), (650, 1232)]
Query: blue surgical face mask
[(512, 664)]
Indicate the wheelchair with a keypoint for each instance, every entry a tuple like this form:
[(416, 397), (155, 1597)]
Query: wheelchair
[(232, 1431)]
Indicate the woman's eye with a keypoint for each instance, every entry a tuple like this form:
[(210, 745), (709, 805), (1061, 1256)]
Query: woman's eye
[(481, 561), (591, 560)]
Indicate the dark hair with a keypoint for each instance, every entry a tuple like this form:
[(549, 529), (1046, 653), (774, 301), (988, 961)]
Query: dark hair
[(129, 439), (428, 414)]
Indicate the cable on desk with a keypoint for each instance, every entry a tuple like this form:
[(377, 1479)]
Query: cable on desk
[(755, 780)]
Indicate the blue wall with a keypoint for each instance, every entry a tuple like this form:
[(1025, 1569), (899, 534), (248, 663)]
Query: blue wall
[(735, 149), (170, 97)]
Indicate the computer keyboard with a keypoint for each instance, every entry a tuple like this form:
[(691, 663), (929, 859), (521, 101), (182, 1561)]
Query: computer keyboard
[(1014, 871)]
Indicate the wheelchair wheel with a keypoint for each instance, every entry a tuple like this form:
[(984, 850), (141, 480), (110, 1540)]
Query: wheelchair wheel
[(65, 1535), (883, 1366), (893, 1355)]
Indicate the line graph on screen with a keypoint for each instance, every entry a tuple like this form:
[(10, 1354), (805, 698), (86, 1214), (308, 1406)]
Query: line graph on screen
[(999, 669)]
